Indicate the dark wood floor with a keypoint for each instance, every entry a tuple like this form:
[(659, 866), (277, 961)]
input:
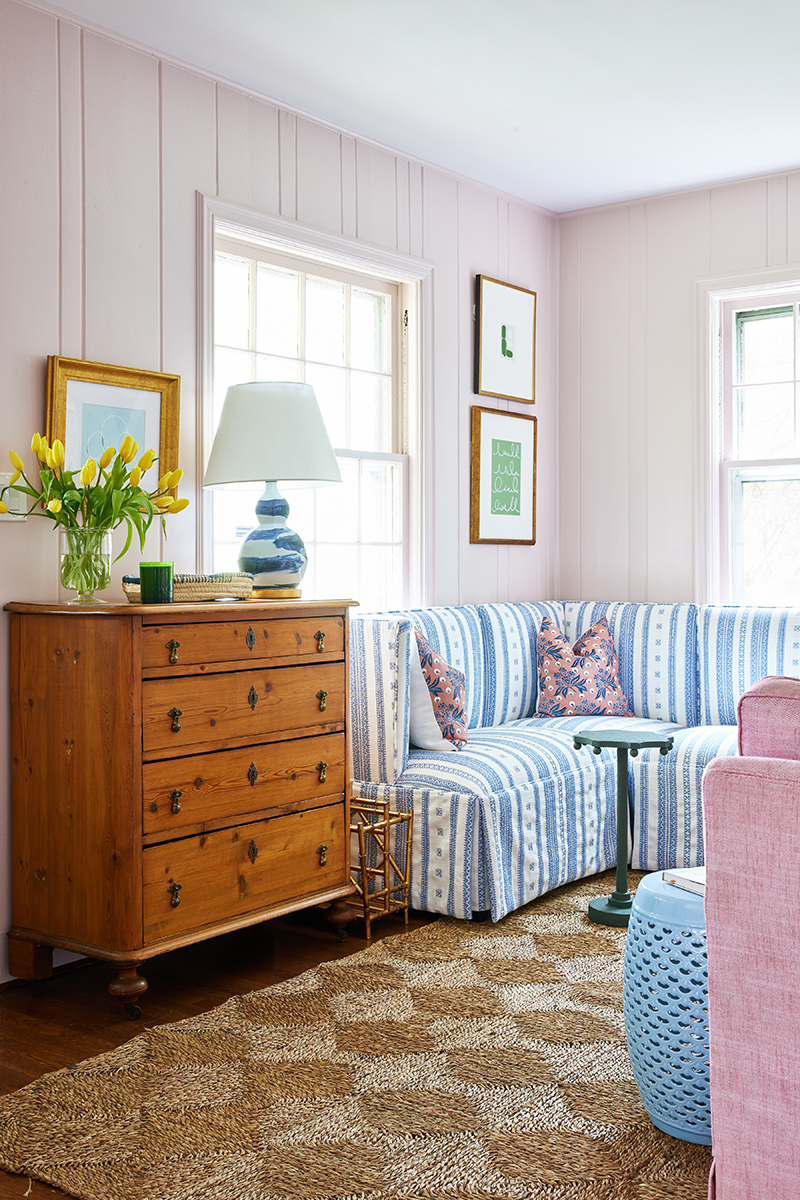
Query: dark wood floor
[(72, 1016)]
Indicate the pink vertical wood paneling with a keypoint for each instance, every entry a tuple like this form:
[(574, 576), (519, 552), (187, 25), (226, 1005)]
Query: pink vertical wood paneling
[(121, 164), (29, 328), (440, 243), (233, 146), (793, 217), (188, 165), (403, 201), (604, 421), (570, 404), (348, 152), (637, 404), (415, 208), (477, 254), (70, 68), (678, 253), (738, 226), (319, 179), (376, 196), (262, 122), (287, 141), (777, 221)]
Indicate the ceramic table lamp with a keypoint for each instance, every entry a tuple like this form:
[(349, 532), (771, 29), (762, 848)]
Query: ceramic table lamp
[(272, 432)]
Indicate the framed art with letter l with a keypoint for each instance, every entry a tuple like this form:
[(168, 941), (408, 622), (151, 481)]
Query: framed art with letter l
[(505, 340), (503, 477)]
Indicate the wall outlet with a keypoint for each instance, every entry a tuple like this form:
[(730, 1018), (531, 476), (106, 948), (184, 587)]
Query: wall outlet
[(16, 501)]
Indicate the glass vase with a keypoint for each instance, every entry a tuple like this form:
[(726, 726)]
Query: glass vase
[(85, 556)]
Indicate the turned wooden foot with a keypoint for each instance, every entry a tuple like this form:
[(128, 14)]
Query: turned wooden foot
[(340, 914), (29, 960), (128, 982)]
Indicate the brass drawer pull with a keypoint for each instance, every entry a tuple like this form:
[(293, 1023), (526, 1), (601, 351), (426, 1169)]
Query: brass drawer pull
[(322, 696), (173, 648), (320, 636), (322, 851), (323, 771), (252, 698), (252, 774), (174, 888), (252, 850), (176, 715), (250, 639), (175, 797)]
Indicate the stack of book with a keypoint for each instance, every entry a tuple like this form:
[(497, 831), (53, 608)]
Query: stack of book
[(691, 879)]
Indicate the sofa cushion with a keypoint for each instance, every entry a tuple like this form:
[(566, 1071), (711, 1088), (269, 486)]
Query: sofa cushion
[(579, 680), (665, 791), (446, 700), (739, 646), (456, 633), (511, 678), (657, 649)]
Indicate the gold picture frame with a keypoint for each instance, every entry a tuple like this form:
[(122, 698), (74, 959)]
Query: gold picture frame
[(503, 478), (505, 340), (92, 405)]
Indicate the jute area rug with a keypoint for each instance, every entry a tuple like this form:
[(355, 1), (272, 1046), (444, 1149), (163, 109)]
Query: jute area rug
[(464, 1060)]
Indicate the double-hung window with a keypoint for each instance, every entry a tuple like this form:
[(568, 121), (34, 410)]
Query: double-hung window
[(279, 318), (760, 450)]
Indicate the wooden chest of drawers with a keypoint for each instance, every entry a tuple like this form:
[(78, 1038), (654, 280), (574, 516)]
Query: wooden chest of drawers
[(177, 771)]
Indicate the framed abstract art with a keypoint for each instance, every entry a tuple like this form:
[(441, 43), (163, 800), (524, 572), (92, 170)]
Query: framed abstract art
[(505, 340), (503, 477)]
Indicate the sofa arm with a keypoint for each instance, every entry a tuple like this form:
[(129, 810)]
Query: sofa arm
[(379, 697), (751, 810), (768, 716)]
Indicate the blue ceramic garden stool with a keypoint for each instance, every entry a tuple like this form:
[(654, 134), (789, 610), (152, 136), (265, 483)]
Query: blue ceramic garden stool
[(666, 1008)]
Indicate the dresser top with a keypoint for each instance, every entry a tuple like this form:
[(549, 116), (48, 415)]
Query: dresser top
[(162, 614)]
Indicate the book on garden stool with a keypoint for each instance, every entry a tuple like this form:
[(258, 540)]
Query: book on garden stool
[(691, 879)]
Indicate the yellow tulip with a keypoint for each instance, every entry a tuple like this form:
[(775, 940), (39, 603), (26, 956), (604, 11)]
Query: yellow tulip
[(54, 505), (164, 481), (88, 471), (162, 501), (175, 478), (16, 461), (58, 453), (147, 460), (107, 456), (136, 475), (3, 507), (50, 458), (178, 505), (36, 442), (127, 450), (14, 478)]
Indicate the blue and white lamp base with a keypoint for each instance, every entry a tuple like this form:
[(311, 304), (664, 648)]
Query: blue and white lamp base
[(273, 554)]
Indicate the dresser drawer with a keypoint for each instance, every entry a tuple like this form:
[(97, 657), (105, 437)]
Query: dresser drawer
[(190, 711), (232, 783), (234, 871), (177, 646)]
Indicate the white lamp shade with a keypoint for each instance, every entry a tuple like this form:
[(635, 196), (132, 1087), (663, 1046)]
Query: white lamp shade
[(271, 431)]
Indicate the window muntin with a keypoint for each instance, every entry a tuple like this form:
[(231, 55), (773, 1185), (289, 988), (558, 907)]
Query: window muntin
[(278, 319)]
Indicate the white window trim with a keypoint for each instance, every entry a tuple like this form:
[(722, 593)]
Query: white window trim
[(415, 279), (712, 294)]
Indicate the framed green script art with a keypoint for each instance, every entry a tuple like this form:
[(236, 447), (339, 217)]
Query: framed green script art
[(505, 340), (503, 477)]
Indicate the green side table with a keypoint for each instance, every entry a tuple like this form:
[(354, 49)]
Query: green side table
[(616, 908)]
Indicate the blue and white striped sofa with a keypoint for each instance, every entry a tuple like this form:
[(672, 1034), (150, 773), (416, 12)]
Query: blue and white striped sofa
[(519, 811)]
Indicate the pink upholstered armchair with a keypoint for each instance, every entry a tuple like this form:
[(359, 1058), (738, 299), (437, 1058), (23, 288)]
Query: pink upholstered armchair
[(751, 814)]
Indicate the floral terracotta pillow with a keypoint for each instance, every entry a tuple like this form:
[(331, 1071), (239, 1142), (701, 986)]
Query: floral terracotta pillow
[(448, 692), (582, 680)]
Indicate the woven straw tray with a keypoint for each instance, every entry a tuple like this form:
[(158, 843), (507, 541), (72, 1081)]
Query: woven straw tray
[(187, 589)]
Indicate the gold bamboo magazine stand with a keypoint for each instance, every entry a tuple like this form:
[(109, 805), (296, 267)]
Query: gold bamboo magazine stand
[(374, 821)]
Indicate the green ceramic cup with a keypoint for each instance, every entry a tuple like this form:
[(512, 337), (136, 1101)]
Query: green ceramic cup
[(156, 582)]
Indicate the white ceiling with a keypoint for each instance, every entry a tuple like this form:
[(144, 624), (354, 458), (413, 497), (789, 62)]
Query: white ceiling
[(566, 103)]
